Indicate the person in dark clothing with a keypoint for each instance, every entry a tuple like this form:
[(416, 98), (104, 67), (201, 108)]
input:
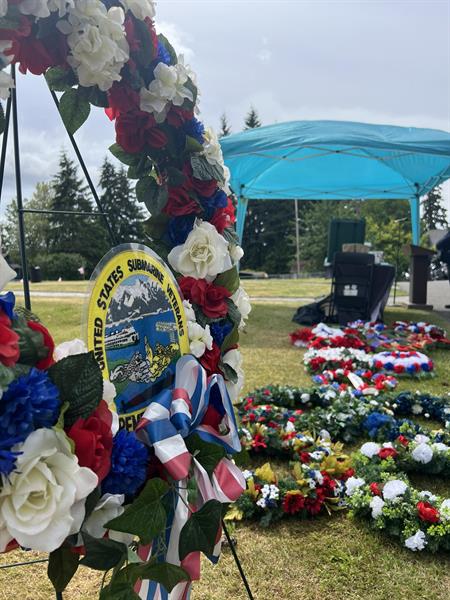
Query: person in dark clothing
[(443, 246)]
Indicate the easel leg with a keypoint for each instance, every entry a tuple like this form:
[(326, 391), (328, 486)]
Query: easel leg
[(237, 561)]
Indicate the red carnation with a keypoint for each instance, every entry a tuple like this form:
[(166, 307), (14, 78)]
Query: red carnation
[(375, 489), (293, 503), (427, 512), (403, 440), (9, 342), (224, 217), (258, 442), (387, 452), (211, 298), (304, 457), (93, 440), (177, 116), (180, 203), (135, 129), (46, 362), (399, 368), (210, 360)]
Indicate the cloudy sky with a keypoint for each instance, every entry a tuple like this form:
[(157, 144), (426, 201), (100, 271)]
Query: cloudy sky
[(380, 61)]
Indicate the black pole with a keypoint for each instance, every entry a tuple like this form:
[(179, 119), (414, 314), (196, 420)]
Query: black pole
[(23, 253), (5, 143), (86, 174), (59, 596), (237, 561)]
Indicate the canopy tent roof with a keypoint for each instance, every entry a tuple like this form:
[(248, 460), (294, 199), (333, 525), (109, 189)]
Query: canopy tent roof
[(336, 160)]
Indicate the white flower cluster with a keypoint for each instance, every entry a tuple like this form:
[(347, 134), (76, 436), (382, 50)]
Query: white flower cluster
[(353, 484), (337, 354), (418, 541), (141, 9), (97, 42), (242, 301), (43, 8), (270, 493)]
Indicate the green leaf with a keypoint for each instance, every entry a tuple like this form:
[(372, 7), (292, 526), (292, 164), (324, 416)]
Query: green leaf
[(192, 145), (145, 55), (231, 340), (229, 279), (59, 79), (156, 226), (120, 591), (192, 490), (146, 517), (62, 566), (228, 372), (31, 343), (80, 383), (124, 157), (102, 554), (97, 97), (154, 196), (166, 574), (176, 177), (91, 502), (233, 312), (208, 455), (200, 530), (74, 108), (204, 171), (168, 46)]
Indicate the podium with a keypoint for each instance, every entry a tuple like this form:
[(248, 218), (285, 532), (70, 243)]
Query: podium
[(420, 259)]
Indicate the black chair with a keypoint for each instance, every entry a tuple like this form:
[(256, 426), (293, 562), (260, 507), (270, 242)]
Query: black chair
[(351, 286)]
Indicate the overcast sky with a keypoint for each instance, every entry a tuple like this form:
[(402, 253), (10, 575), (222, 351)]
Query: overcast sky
[(362, 60)]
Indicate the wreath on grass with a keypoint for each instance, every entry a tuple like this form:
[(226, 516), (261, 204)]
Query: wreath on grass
[(106, 53)]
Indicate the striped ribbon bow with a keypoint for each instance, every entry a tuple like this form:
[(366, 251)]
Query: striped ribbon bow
[(196, 405)]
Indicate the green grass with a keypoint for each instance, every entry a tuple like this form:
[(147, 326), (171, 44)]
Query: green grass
[(322, 559)]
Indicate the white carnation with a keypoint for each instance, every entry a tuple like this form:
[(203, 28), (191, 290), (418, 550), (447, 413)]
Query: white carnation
[(43, 501), (418, 541), (393, 489), (200, 339), (203, 255), (420, 438), (212, 148), (189, 311), (422, 453), (168, 87), (376, 504), (242, 301), (352, 484), (369, 449), (70, 348)]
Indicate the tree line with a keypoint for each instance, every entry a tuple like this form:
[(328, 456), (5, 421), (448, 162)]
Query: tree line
[(269, 232), (70, 245)]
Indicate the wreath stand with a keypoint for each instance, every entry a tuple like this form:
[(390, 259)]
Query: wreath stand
[(11, 110)]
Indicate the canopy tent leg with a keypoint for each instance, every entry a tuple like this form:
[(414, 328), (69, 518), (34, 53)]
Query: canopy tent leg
[(414, 204), (240, 217)]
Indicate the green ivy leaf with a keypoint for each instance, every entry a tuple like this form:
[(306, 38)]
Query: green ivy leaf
[(228, 372), (231, 340), (154, 196), (208, 455), (120, 591), (91, 502), (146, 517), (102, 554), (80, 383), (204, 171), (229, 279), (192, 490), (156, 226), (192, 145), (59, 79), (176, 177), (164, 573), (74, 108), (168, 46), (62, 566), (233, 312), (31, 343), (124, 157), (200, 530)]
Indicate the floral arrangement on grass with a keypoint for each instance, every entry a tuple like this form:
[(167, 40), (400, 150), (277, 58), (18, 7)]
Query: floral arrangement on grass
[(381, 492), (405, 362), (335, 358), (109, 55), (314, 486)]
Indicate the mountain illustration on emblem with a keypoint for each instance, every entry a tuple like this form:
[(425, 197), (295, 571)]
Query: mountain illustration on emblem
[(142, 297)]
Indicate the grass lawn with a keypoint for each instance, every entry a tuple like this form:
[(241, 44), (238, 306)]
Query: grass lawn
[(322, 559)]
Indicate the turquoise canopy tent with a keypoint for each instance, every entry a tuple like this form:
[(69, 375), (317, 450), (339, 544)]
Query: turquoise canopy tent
[(336, 160)]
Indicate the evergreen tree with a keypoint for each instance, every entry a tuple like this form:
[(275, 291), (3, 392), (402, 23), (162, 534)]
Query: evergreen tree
[(252, 119), (225, 128), (119, 202), (82, 234), (434, 214)]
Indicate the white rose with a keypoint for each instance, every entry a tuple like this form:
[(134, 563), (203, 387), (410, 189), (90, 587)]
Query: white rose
[(369, 449), (352, 484), (203, 255), (108, 507), (418, 541), (394, 488), (37, 8), (376, 504), (212, 148), (43, 501), (422, 453), (70, 348), (3, 7), (6, 83), (233, 358), (199, 339), (6, 273), (141, 9), (167, 87), (189, 311), (236, 253), (242, 301)]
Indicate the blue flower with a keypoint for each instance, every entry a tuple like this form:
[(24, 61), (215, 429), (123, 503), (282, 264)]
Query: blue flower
[(376, 421), (210, 205), (8, 458), (7, 302), (195, 129), (128, 465), (163, 55), (29, 403), (179, 228), (220, 330)]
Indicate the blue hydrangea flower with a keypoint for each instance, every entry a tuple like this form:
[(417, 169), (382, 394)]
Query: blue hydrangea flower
[(375, 421), (128, 465), (210, 205), (220, 330), (29, 403), (179, 228), (163, 55), (195, 129), (7, 303)]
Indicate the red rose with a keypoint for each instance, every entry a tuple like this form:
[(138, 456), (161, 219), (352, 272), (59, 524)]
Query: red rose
[(224, 217), (177, 116), (9, 342), (180, 203), (427, 512), (135, 129), (121, 99), (93, 440), (210, 360), (46, 362), (375, 489), (387, 452), (304, 457), (211, 298), (348, 473), (403, 440)]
